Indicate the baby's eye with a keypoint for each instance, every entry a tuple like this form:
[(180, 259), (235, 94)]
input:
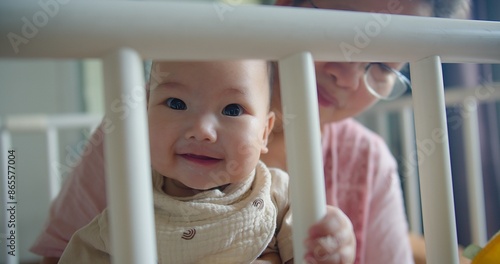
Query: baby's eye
[(176, 104), (232, 110)]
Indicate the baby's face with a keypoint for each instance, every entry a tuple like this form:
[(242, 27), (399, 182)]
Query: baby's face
[(208, 122)]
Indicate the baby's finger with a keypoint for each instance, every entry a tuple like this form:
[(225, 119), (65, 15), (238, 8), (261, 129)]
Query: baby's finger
[(330, 243), (329, 250), (334, 221)]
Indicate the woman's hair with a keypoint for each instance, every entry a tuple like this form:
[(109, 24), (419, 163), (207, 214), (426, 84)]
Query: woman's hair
[(440, 8), (449, 8)]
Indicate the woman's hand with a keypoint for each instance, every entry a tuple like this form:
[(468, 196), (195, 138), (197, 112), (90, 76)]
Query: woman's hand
[(331, 240)]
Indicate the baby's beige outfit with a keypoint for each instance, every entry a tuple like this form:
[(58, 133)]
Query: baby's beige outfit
[(236, 225)]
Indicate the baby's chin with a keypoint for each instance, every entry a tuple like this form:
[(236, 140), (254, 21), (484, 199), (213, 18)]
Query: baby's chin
[(183, 189), (205, 187)]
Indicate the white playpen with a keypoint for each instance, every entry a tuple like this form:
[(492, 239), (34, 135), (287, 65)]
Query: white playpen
[(203, 31)]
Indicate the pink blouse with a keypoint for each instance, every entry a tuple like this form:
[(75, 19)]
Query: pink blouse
[(360, 177)]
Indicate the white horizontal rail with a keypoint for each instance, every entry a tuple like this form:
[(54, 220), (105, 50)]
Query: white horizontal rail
[(42, 122), (172, 30)]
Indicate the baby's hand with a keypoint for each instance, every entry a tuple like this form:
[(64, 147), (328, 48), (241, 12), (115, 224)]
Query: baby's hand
[(331, 240)]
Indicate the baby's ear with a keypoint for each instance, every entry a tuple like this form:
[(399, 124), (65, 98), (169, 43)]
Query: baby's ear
[(267, 131)]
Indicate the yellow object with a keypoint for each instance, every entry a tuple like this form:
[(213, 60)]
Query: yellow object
[(490, 254)]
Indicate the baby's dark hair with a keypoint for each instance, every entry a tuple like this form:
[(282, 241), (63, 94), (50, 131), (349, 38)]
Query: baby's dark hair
[(440, 8)]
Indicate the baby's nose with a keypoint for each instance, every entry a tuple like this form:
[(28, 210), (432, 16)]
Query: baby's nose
[(201, 128)]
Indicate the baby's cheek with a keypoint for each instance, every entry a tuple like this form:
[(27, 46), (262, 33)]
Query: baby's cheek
[(245, 156), (246, 147)]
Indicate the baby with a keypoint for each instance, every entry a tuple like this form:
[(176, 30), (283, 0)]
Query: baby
[(215, 202)]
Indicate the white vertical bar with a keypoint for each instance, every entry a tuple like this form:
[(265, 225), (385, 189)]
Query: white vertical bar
[(410, 173), (53, 161), (10, 228), (434, 161), (472, 151), (381, 118), (303, 144), (127, 158)]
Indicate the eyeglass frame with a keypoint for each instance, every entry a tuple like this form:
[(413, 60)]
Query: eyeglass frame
[(402, 78)]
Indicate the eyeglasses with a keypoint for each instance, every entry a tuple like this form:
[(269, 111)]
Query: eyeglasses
[(381, 80), (385, 82)]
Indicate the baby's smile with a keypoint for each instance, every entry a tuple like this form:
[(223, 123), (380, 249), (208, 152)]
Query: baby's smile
[(200, 159)]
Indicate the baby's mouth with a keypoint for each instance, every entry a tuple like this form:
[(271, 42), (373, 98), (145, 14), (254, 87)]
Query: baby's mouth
[(200, 159)]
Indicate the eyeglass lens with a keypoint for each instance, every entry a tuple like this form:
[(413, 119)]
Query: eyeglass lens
[(384, 82)]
